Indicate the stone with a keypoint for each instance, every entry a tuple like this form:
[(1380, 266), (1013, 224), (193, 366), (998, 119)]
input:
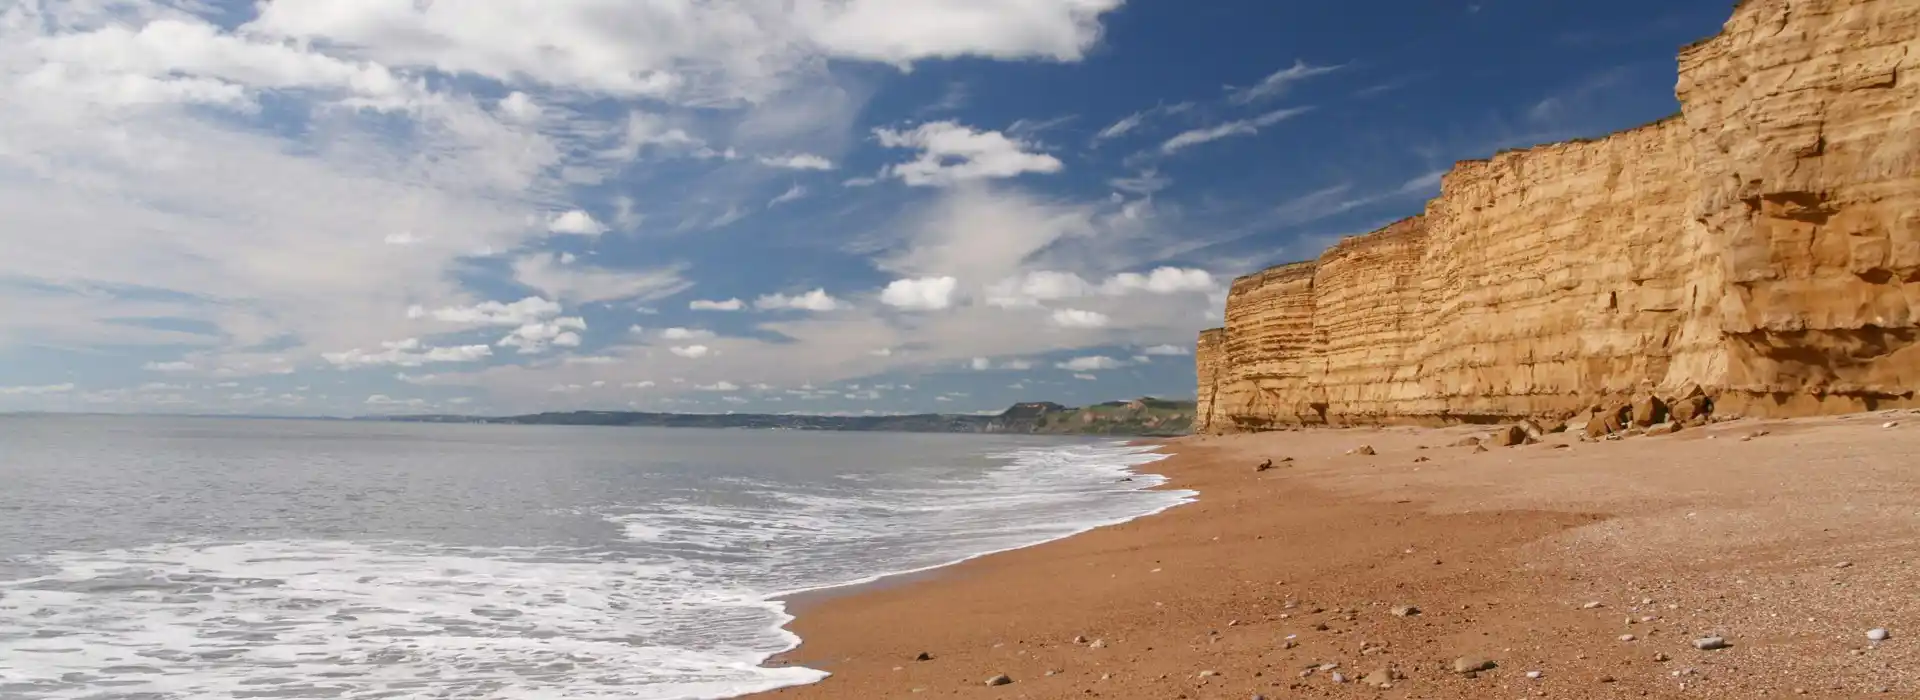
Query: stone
[(923, 656), (1661, 657), (1535, 674), (1532, 428), (1209, 674), (1480, 448), (1380, 677), (1405, 611), (1001, 679), (1627, 637), (1467, 442), (1592, 605), (1512, 435), (1710, 643), (1473, 664), (1667, 428), (1337, 677), (1097, 644), (1361, 450), (1879, 634), (1691, 407), (1079, 639), (1648, 410), (1422, 458), (1890, 424), (1263, 466)]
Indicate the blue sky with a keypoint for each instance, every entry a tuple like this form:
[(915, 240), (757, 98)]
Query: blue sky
[(345, 207)]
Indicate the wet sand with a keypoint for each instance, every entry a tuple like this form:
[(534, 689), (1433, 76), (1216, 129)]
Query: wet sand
[(1790, 545)]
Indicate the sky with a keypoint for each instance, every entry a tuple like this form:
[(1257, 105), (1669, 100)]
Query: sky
[(358, 207)]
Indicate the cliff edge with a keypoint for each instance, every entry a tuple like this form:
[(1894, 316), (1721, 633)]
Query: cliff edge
[(1762, 248)]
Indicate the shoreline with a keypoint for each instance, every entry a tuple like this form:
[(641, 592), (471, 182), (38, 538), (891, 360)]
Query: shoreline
[(1264, 574)]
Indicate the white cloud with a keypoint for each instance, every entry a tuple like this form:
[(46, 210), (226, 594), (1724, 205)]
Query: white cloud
[(686, 334), (720, 305), (386, 401), (576, 222), (925, 294), (1278, 82), (722, 385), (518, 107), (1036, 287), (981, 364), (881, 352), (406, 353), (592, 360), (168, 366), (1239, 127), (1167, 350), (692, 351), (799, 161), (492, 313), (534, 338), (645, 384), (402, 238), (792, 194), (41, 390), (951, 153), (553, 275), (816, 300), (1077, 318), (1086, 377), (1091, 363), (1162, 280)]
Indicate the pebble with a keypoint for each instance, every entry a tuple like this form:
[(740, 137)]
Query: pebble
[(924, 656), (1592, 604), (1710, 643), (1209, 674), (1001, 679), (1879, 634), (1661, 656), (1405, 611), (1471, 664), (1098, 644), (1842, 565), (1079, 639), (1890, 424), (1626, 637), (1534, 674)]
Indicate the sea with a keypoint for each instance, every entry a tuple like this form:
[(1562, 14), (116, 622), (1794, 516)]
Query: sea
[(171, 558)]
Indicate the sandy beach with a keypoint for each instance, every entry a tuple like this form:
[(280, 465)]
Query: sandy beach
[(1564, 569)]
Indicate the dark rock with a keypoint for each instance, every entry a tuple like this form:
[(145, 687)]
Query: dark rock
[(1263, 466), (924, 656), (1422, 458), (1648, 410)]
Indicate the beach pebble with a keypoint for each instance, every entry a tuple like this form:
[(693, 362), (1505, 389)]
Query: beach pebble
[(1001, 679), (1405, 611), (1710, 643), (1472, 664), (1879, 634)]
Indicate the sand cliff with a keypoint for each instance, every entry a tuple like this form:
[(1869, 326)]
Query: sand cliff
[(1763, 245)]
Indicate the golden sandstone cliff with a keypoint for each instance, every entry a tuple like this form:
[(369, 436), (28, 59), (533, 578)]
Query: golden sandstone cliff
[(1762, 247)]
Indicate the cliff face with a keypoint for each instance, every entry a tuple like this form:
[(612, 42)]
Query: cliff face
[(1764, 246)]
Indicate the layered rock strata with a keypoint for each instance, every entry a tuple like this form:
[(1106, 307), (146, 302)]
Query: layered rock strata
[(1763, 246)]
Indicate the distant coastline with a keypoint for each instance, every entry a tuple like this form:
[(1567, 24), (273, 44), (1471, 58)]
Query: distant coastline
[(1147, 417)]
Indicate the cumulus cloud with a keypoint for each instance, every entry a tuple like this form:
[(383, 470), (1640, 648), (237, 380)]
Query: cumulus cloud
[(1036, 287), (925, 294), (716, 305), (799, 161), (722, 385), (1278, 82), (951, 153), (816, 300), (1167, 350), (534, 338), (406, 353), (1077, 318), (1238, 127), (1091, 363), (686, 334), (176, 366), (1162, 280), (491, 313), (576, 222), (692, 352), (982, 364)]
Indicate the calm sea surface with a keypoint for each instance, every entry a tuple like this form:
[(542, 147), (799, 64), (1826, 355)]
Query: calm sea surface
[(162, 558)]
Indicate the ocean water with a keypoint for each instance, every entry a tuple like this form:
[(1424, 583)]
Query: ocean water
[(162, 558)]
